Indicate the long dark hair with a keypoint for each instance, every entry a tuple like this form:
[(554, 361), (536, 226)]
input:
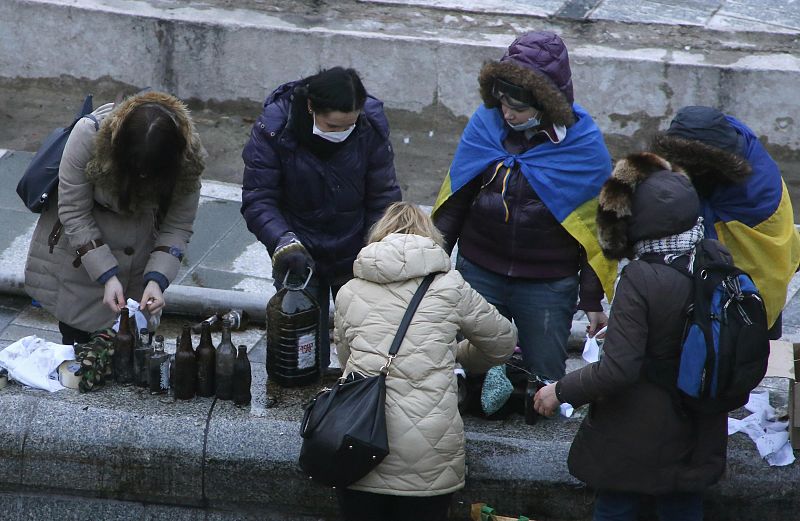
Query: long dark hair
[(147, 152), (335, 89)]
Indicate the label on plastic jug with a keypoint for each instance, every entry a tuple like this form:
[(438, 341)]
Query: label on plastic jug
[(306, 351)]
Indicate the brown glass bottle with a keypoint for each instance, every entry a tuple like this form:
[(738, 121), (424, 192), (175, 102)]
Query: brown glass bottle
[(123, 350), (242, 378), (206, 362), (140, 357), (185, 367), (226, 357)]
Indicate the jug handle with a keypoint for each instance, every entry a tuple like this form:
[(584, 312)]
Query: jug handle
[(303, 286)]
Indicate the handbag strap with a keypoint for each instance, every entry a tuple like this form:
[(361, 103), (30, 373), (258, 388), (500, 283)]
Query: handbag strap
[(409, 314)]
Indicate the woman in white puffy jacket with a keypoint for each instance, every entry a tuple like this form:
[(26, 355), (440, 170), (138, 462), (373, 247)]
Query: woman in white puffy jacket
[(426, 435)]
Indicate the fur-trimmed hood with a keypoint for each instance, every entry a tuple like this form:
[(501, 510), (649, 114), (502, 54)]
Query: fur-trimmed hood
[(702, 142), (102, 172), (645, 198), (539, 62)]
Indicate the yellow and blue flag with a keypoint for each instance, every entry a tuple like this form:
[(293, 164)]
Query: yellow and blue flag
[(567, 175), (755, 221)]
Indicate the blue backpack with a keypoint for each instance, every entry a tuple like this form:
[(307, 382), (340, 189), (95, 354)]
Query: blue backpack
[(725, 345), (40, 179)]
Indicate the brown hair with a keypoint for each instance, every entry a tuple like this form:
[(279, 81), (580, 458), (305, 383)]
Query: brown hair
[(404, 217), (148, 148)]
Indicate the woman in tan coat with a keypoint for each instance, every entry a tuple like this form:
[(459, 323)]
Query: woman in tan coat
[(426, 435), (128, 191)]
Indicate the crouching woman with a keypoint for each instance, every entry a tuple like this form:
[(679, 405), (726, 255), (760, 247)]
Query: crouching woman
[(128, 192), (637, 441), (426, 435)]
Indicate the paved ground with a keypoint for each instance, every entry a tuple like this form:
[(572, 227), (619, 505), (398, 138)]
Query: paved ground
[(205, 447)]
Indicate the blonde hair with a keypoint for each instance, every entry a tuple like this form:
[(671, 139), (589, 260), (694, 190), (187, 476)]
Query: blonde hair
[(404, 217)]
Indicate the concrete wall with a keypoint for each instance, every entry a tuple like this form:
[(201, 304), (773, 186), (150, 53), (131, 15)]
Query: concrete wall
[(427, 81)]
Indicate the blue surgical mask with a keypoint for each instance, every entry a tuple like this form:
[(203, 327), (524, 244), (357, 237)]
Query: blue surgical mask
[(532, 122), (333, 137)]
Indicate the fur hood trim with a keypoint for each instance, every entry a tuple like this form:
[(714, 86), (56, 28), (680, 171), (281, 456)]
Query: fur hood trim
[(705, 164), (101, 170), (556, 106), (615, 202)]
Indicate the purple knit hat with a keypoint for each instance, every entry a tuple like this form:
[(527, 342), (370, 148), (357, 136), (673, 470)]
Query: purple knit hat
[(543, 52), (539, 63)]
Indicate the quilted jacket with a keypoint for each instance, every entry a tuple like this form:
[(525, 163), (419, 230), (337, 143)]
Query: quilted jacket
[(426, 434), (329, 204)]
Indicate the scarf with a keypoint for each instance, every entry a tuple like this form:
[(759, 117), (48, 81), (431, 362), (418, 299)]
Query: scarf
[(673, 246)]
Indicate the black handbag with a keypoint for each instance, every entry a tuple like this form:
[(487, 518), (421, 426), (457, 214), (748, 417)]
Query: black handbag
[(344, 428), (40, 179)]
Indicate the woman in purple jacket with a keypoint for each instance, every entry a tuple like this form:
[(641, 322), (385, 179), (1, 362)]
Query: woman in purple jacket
[(522, 183), (319, 172)]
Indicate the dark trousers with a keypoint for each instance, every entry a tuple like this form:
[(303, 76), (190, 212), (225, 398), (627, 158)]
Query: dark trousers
[(624, 506), (367, 506), (71, 335)]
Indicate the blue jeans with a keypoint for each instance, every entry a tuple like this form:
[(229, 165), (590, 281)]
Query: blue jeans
[(541, 309), (624, 506)]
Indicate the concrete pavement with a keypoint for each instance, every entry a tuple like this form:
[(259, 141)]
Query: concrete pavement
[(128, 455), (119, 454)]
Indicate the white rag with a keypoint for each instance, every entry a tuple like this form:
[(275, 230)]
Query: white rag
[(141, 320), (771, 436), (34, 362), (593, 346)]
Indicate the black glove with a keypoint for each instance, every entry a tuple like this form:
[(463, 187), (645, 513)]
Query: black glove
[(292, 257)]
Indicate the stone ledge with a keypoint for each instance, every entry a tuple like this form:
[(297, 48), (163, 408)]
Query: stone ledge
[(120, 445)]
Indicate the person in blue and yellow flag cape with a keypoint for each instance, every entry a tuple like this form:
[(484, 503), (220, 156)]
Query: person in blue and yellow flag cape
[(745, 202), (521, 196)]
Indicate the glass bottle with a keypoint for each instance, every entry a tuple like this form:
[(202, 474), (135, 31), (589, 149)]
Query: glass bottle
[(206, 362), (238, 317), (226, 356), (185, 367), (123, 350), (158, 365), (140, 357), (242, 378)]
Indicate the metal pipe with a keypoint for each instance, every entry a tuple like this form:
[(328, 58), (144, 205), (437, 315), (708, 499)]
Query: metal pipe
[(180, 300)]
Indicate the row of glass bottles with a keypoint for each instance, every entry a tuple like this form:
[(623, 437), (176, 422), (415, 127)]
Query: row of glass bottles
[(206, 371)]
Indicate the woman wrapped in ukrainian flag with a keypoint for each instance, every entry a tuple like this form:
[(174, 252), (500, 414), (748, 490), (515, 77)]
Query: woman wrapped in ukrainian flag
[(521, 196), (745, 203)]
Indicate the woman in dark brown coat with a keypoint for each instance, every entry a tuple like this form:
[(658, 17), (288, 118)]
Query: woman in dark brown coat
[(636, 441)]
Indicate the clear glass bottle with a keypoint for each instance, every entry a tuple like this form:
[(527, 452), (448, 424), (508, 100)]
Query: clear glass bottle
[(158, 368), (140, 356)]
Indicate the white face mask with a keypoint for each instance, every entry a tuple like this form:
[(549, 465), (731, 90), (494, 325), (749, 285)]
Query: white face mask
[(532, 122), (333, 137)]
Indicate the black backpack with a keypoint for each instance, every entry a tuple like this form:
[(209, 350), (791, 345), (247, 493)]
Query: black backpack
[(725, 343), (40, 179)]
